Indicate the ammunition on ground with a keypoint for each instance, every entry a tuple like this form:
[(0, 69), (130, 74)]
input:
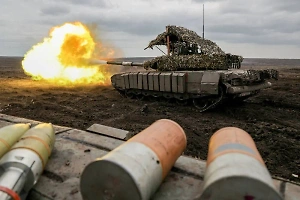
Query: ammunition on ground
[(22, 165), (135, 169), (235, 169), (10, 134)]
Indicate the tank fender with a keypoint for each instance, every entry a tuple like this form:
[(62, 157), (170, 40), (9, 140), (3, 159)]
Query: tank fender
[(210, 83), (118, 81)]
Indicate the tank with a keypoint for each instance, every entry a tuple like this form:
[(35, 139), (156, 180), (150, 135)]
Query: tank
[(194, 69)]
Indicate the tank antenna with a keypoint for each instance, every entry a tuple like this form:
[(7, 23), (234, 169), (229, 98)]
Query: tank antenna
[(160, 50), (203, 23), (168, 57)]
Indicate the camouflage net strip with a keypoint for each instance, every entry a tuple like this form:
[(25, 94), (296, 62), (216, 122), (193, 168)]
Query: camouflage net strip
[(192, 62), (249, 76), (180, 34)]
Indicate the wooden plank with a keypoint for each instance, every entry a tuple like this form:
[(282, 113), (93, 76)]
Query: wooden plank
[(110, 131), (48, 189), (5, 123), (69, 158), (190, 165), (292, 192), (100, 141), (13, 119), (74, 149), (179, 187)]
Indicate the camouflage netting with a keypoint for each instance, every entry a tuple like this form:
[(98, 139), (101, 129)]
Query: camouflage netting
[(191, 62), (179, 35), (189, 51)]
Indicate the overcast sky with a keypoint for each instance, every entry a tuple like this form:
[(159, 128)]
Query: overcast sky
[(256, 28)]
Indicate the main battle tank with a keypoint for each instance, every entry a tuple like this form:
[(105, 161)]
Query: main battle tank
[(194, 69)]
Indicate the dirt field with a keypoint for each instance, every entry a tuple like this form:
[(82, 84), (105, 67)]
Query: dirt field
[(272, 117)]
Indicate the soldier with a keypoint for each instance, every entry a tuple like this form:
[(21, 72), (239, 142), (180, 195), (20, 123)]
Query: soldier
[(184, 49)]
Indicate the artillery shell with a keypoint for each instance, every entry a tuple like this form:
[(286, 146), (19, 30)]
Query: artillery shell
[(9, 135), (23, 164), (135, 169), (235, 169), (39, 139)]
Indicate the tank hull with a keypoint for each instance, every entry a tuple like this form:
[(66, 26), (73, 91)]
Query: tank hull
[(205, 88)]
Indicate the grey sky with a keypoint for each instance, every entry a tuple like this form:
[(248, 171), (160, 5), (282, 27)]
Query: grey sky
[(256, 28)]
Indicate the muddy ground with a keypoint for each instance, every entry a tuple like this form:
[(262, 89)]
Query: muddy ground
[(272, 118)]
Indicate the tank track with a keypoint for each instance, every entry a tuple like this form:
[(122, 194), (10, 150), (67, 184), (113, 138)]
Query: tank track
[(212, 103), (202, 104)]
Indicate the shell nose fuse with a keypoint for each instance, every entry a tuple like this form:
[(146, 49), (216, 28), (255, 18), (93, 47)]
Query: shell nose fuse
[(235, 169), (135, 169), (10, 134), (22, 165)]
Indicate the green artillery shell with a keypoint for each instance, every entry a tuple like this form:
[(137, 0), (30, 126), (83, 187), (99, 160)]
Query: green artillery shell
[(10, 134), (39, 139)]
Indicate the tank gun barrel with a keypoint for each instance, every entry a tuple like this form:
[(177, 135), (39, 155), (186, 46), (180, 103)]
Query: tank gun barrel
[(123, 63)]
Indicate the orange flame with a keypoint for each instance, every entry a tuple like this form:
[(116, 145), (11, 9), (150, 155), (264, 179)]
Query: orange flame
[(60, 57)]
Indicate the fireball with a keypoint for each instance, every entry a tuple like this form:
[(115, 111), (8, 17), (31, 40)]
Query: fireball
[(61, 57)]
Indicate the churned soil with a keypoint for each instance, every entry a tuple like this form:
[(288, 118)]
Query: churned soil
[(272, 117)]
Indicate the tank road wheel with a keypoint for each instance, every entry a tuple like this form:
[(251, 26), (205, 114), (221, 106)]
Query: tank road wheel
[(155, 95), (140, 96), (182, 102), (201, 104), (129, 95), (122, 93), (240, 99), (168, 98), (206, 103), (163, 99)]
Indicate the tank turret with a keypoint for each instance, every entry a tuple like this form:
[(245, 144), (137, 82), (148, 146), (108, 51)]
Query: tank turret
[(188, 51)]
